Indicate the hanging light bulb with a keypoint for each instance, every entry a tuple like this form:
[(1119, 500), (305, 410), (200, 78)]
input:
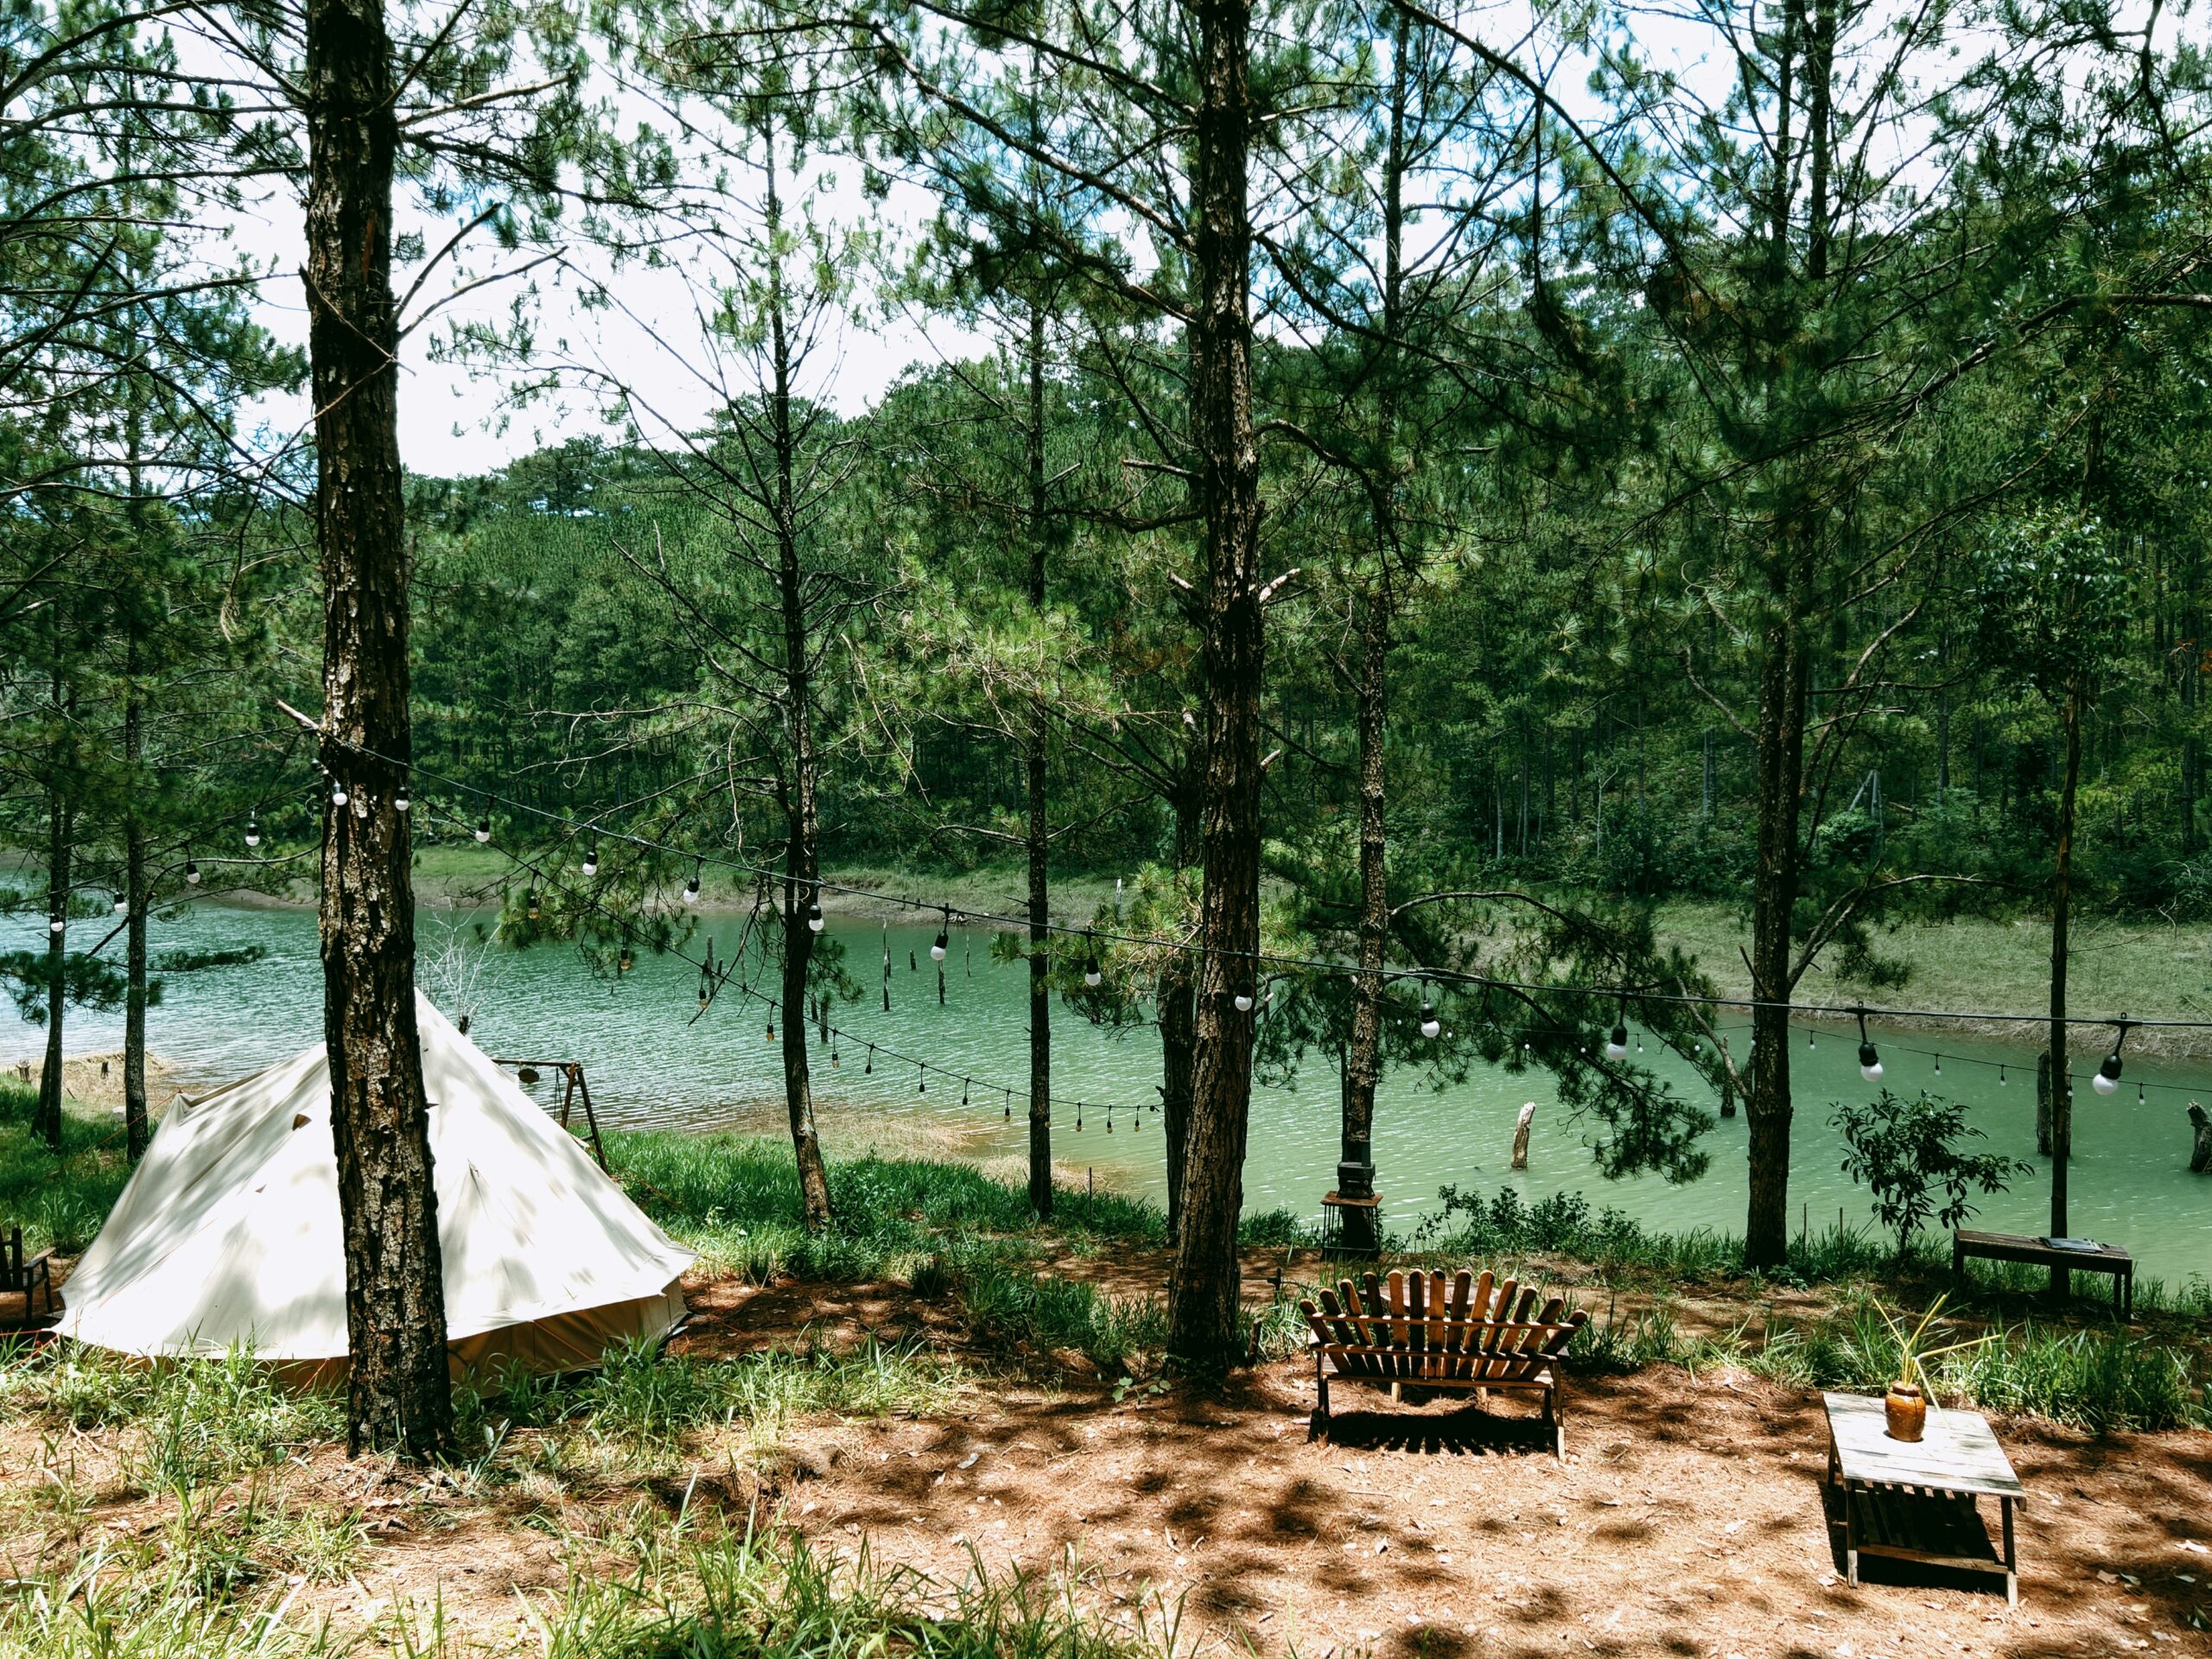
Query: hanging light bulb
[(1870, 1063), (252, 831), (623, 963), (1245, 998), (703, 990), (483, 830), (1939, 1066), (922, 1080), (530, 903), (1617, 1045), (1091, 975), (814, 916), (691, 889), (122, 903), (772, 1027), (869, 1068), (2108, 1078), (56, 925), (2000, 1077), (191, 873), (1009, 1105), (937, 944), (402, 798), (591, 860), (1430, 1024), (338, 794)]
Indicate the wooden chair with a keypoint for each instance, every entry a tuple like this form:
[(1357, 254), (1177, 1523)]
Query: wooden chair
[(1420, 1330), (25, 1278)]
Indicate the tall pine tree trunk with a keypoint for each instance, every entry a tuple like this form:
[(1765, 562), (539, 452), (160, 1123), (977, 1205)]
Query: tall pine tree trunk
[(1362, 1057), (1780, 768), (1202, 1299), (1039, 826), (801, 803), (2062, 894), (399, 1392), (47, 1122), (134, 893)]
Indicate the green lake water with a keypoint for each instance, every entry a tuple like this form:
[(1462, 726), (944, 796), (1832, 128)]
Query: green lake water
[(653, 1061)]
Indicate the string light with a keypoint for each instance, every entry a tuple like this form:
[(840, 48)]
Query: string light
[(483, 831), (623, 963), (56, 925), (191, 873), (1870, 1063), (691, 888), (937, 944), (868, 1069), (252, 831), (591, 860), (814, 921), (1091, 975), (338, 794), (2107, 1078), (1430, 1024), (530, 903), (1245, 998), (121, 904), (1617, 1045), (400, 800)]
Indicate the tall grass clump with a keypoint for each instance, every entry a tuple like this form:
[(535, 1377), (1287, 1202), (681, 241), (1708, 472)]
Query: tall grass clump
[(58, 1201), (751, 1593), (188, 1422), (1051, 1314)]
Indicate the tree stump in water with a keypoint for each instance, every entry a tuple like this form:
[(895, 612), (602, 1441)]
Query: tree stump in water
[(2043, 1103), (1520, 1136), (2200, 1155)]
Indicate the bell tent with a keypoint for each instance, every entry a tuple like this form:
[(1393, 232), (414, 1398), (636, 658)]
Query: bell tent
[(228, 1232)]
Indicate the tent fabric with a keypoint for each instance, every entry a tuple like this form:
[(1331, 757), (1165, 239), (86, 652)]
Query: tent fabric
[(228, 1234)]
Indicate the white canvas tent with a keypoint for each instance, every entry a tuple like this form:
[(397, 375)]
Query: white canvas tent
[(228, 1232)]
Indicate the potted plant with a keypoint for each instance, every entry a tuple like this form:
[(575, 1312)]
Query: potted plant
[(1905, 1405)]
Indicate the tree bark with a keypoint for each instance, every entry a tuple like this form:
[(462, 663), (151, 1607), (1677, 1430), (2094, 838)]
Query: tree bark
[(801, 804), (134, 894), (1039, 824), (47, 1122), (1363, 1056), (398, 1393), (2043, 1104), (2062, 886), (1203, 1288), (1780, 765)]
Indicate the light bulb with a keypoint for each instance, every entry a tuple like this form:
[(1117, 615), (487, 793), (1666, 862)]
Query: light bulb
[(338, 794), (814, 918), (2107, 1078), (1430, 1024), (591, 860), (937, 948), (483, 829), (1870, 1063), (1244, 998), (57, 925), (121, 904), (1091, 976), (191, 873), (532, 904), (691, 891), (1617, 1045), (253, 832), (402, 799)]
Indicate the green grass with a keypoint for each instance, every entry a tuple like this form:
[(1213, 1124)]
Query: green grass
[(59, 1202), (2150, 969)]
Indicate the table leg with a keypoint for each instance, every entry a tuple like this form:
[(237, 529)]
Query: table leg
[(2011, 1558)]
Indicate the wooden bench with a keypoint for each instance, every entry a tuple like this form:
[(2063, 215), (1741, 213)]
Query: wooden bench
[(23, 1278), (2019, 1246), (1467, 1333)]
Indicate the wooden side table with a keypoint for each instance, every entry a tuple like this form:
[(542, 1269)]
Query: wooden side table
[(1916, 1500)]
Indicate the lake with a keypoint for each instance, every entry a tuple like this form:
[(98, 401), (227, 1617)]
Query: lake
[(653, 1061)]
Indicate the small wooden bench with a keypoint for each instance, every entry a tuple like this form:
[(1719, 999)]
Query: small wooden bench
[(19, 1277), (1468, 1333), (2019, 1246)]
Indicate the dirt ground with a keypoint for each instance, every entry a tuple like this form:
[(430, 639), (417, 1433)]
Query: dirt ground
[(1688, 1518)]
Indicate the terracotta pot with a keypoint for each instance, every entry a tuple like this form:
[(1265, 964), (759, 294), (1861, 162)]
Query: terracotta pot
[(1906, 1408)]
